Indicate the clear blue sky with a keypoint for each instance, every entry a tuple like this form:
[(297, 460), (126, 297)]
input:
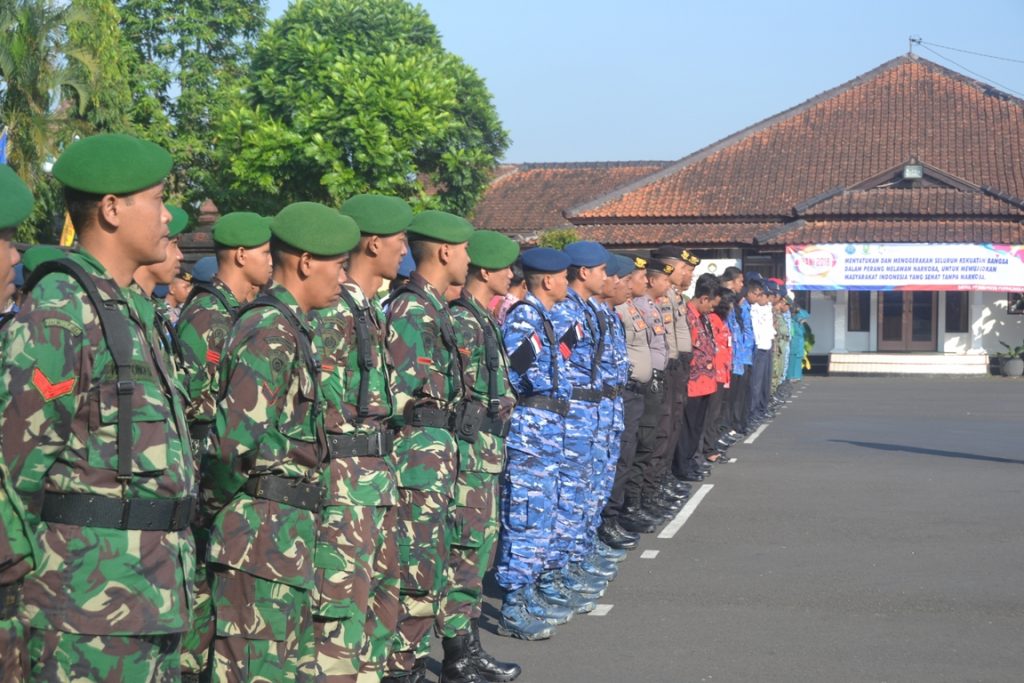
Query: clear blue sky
[(595, 80)]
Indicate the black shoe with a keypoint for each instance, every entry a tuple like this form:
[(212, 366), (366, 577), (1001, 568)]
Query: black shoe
[(680, 485), (488, 667), (635, 519), (458, 665), (672, 492), (662, 501), (693, 476), (614, 536)]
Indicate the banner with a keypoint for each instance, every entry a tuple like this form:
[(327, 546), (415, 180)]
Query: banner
[(971, 267)]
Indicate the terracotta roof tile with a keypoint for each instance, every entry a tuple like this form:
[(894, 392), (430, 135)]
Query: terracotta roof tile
[(856, 231), (653, 234), (531, 197), (930, 201)]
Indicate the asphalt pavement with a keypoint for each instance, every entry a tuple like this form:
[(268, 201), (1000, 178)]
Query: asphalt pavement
[(872, 532)]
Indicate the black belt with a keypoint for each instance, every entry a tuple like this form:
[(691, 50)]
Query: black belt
[(375, 443), (554, 405), (610, 391), (287, 490), (10, 596), (147, 514), (430, 416), (198, 431), (497, 426), (588, 395), (658, 375), (637, 387)]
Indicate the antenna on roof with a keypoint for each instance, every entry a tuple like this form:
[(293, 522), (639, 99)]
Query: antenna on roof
[(912, 41)]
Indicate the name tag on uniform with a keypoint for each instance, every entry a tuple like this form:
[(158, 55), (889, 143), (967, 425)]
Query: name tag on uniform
[(639, 324), (659, 329)]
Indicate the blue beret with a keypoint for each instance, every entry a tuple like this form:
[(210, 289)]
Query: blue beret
[(586, 254), (19, 275), (545, 260), (771, 287), (205, 269), (160, 291), (624, 265), (407, 265)]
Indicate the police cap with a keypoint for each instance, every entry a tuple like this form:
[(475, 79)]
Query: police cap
[(655, 265)]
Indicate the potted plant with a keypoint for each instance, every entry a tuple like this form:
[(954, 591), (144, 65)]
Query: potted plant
[(1013, 360)]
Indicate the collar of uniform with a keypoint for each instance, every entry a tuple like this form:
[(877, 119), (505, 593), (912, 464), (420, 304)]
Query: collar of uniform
[(357, 294), (281, 293), (219, 285), (428, 288), (536, 302)]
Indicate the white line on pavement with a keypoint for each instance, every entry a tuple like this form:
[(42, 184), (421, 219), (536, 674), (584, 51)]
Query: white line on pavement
[(732, 460), (601, 610), (684, 514), (757, 432), (649, 554)]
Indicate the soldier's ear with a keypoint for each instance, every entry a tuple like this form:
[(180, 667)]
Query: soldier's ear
[(240, 256), (305, 264)]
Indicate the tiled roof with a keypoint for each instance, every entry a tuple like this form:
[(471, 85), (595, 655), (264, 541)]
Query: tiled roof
[(906, 109), (653, 234), (955, 231), (531, 197)]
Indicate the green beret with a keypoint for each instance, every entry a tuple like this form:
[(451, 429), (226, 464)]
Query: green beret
[(15, 198), (440, 226), (241, 229), (112, 163), (39, 254), (376, 214), (179, 221), (315, 228), (492, 250)]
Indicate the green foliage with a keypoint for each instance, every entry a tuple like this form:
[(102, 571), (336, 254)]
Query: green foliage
[(1011, 351), (348, 96), (99, 42), (558, 239)]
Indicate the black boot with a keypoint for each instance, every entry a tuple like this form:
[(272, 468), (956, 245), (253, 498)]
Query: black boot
[(487, 666), (615, 536), (458, 666), (417, 675), (634, 518)]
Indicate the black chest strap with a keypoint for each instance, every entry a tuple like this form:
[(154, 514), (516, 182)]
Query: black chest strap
[(444, 321), (364, 352), (492, 352)]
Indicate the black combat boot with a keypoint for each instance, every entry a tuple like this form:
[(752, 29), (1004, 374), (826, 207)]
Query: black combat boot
[(458, 666), (486, 665)]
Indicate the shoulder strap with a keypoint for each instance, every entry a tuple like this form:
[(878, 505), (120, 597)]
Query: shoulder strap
[(443, 320), (602, 332), (204, 288), (492, 353), (119, 341), (166, 329), (549, 332), (363, 351)]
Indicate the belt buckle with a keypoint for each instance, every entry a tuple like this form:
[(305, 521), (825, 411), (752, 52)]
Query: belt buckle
[(379, 439)]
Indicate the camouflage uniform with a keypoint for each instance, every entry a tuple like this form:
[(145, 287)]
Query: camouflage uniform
[(475, 514), (614, 375), (201, 332), (268, 433), (355, 595), (534, 444), (426, 380), (104, 602), (780, 349), (585, 444)]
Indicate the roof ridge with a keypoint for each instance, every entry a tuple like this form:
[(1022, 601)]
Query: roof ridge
[(763, 124), (529, 165)]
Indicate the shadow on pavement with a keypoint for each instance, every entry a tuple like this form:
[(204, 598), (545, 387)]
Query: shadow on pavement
[(927, 451)]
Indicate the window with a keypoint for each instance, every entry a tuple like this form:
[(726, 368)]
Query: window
[(1015, 304), (802, 297), (958, 308), (858, 312)]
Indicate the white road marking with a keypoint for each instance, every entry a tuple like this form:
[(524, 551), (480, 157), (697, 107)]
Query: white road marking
[(649, 554), (757, 432), (684, 514), (732, 460), (601, 610)]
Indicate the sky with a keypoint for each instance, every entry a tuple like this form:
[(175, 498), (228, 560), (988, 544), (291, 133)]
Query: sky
[(604, 80)]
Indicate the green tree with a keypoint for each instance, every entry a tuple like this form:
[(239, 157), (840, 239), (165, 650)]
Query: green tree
[(347, 96), (111, 59), (559, 238)]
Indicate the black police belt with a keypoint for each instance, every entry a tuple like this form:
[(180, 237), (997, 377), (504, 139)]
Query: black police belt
[(198, 431), (145, 514), (552, 405), (368, 444), (286, 490), (10, 596), (611, 391), (587, 395), (637, 387)]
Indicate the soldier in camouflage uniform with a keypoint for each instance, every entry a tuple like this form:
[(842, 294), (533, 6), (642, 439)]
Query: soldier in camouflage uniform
[(264, 476), (582, 344), (355, 596), (427, 391), (149, 276), (94, 436), (17, 551), (534, 447), (481, 462), (242, 242)]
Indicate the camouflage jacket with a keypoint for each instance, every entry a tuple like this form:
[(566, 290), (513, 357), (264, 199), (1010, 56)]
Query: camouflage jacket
[(202, 330), (580, 342), (487, 453), (269, 422), (426, 374), (526, 332), (59, 432), (366, 480)]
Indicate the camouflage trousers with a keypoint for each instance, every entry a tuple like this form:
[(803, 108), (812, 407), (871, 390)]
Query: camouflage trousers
[(355, 594), (60, 656), (263, 628), (606, 458), (574, 485), (529, 497), (473, 534), (780, 352), (13, 650), (423, 556), (195, 643)]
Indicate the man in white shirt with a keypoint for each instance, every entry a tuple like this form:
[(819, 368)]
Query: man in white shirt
[(764, 334)]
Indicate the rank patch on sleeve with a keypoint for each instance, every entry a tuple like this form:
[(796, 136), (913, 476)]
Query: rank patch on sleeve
[(212, 356), (51, 390)]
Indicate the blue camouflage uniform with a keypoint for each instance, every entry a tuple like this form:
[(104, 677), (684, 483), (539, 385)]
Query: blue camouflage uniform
[(534, 445), (579, 335), (614, 375)]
